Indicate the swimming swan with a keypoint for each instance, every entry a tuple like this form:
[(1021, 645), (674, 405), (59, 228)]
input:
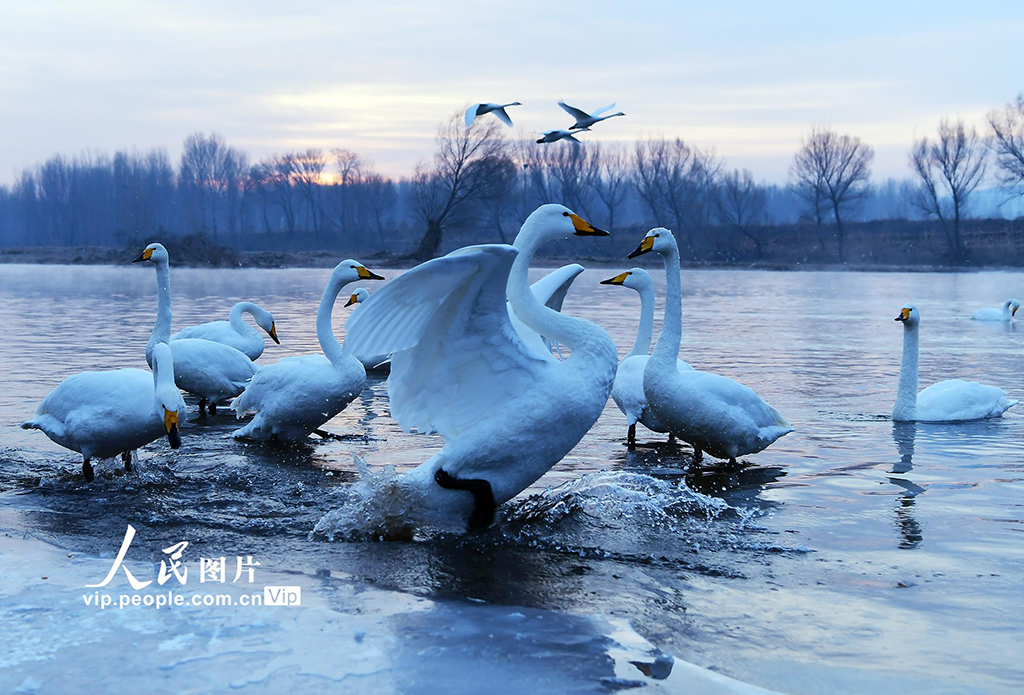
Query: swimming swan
[(459, 368), (628, 391), (235, 332), (993, 313), (584, 120), (103, 414), (497, 109), (953, 400), (212, 371), (712, 412), (297, 395)]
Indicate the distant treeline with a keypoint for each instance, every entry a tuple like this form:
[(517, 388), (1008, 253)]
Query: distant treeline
[(480, 185)]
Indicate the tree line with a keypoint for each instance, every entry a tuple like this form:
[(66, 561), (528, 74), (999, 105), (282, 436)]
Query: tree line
[(480, 184)]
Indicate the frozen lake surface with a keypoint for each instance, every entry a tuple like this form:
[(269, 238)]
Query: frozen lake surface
[(852, 556)]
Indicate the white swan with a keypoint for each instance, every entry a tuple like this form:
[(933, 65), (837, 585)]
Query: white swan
[(584, 120), (294, 397), (993, 313), (482, 109), (711, 412), (371, 363), (212, 371), (103, 414), (458, 367), (556, 135), (628, 391), (235, 332), (953, 400)]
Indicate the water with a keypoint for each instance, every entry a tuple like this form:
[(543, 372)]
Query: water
[(850, 556)]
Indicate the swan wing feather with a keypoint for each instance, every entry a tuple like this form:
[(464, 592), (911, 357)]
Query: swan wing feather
[(957, 400)]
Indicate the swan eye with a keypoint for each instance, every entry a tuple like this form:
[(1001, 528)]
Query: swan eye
[(565, 214), (656, 236)]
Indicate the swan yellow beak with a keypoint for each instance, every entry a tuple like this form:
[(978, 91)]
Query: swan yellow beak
[(171, 424), (144, 256), (617, 280), (1014, 312), (352, 300), (365, 274), (584, 228), (273, 333), (646, 245), (904, 315)]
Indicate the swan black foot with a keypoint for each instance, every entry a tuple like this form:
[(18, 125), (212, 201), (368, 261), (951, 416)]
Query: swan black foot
[(671, 439), (212, 408), (483, 497), (698, 456), (631, 436), (202, 406), (87, 471), (126, 459)]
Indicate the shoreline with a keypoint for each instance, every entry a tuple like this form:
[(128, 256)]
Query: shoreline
[(241, 260)]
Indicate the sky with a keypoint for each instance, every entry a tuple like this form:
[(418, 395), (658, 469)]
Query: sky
[(749, 79)]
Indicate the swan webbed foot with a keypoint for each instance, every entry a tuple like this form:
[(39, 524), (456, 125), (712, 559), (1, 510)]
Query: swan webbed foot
[(483, 497), (126, 459), (212, 408), (87, 471), (631, 436), (202, 406), (671, 439)]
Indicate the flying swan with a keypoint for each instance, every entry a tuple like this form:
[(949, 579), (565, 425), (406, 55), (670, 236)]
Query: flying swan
[(235, 332), (953, 400), (711, 412), (497, 109), (628, 391), (294, 397), (103, 414), (459, 368), (584, 120), (211, 371)]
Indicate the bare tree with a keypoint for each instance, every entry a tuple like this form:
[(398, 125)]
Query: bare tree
[(742, 204), (612, 182), (832, 170), (467, 161), (1007, 144), (950, 169)]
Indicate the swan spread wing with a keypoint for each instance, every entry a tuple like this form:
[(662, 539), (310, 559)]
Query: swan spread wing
[(500, 113), (603, 109), (956, 400), (574, 112), (471, 114), (457, 360)]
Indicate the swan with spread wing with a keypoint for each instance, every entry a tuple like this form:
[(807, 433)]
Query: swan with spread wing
[(508, 413)]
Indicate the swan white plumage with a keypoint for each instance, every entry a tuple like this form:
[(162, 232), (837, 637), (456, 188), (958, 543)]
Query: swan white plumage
[(460, 368), (103, 414), (628, 391), (584, 120), (953, 400), (294, 397), (212, 371), (497, 109), (994, 313), (235, 332), (709, 411)]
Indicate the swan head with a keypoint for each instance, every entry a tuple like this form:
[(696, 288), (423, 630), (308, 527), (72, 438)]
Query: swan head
[(167, 394), (552, 222), (659, 240), (359, 295), (634, 278), (909, 316), (1012, 305), (349, 271), (155, 253)]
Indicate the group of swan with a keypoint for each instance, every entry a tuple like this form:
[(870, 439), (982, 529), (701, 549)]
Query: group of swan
[(583, 120), (475, 354)]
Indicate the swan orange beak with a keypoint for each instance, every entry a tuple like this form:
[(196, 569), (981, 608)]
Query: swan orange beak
[(617, 280), (144, 256), (904, 315), (584, 228), (365, 274), (646, 245), (273, 333), (352, 300), (171, 425)]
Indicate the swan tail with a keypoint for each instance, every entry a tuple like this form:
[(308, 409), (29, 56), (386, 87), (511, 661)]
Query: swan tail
[(770, 434)]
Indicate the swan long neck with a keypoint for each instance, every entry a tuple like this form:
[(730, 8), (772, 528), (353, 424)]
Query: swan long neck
[(671, 337), (162, 328), (1006, 311), (906, 390), (645, 329), (324, 330), (163, 377), (238, 324), (576, 333)]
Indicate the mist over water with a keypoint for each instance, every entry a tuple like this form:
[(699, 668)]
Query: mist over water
[(852, 555)]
